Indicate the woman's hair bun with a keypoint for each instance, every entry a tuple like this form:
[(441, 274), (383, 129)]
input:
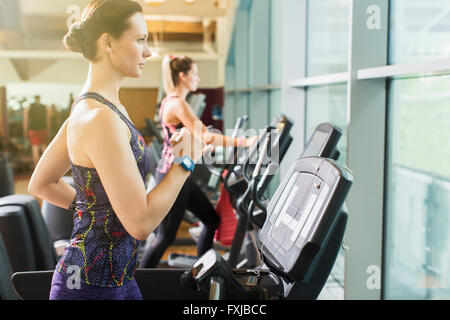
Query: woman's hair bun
[(73, 40), (100, 16)]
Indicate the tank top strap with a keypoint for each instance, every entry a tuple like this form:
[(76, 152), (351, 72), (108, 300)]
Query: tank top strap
[(103, 100)]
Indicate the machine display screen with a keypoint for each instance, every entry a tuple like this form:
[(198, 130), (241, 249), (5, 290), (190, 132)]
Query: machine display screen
[(316, 144), (298, 211)]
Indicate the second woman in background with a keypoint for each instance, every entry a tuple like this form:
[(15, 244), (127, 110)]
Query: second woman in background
[(180, 77)]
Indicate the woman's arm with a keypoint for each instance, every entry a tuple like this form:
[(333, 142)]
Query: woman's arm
[(186, 115), (107, 145), (46, 182)]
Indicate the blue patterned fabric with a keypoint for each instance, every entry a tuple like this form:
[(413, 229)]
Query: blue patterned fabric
[(100, 247)]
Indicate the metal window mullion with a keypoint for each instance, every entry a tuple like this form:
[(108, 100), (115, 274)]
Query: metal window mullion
[(366, 149)]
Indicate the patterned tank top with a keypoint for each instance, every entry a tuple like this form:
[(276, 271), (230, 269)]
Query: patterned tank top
[(100, 249), (168, 130)]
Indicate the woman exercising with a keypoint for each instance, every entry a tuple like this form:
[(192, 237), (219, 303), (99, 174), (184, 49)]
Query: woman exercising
[(109, 161), (180, 76)]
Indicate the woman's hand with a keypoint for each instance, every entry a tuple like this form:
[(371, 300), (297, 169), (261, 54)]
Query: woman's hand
[(250, 142), (184, 143)]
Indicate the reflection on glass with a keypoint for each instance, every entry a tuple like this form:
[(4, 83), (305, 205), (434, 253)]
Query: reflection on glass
[(329, 104), (417, 249), (328, 31), (420, 30)]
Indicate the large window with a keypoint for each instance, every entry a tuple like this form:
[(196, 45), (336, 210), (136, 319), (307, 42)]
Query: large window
[(394, 110), (417, 219), (327, 50), (418, 206), (419, 30), (328, 104), (327, 53)]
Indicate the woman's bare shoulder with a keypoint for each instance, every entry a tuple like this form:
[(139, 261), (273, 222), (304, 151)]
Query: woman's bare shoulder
[(177, 106), (90, 114), (92, 120)]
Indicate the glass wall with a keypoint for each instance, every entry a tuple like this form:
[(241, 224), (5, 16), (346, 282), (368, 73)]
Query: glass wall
[(327, 53), (253, 63), (327, 50), (417, 246), (328, 104), (418, 206), (413, 200), (419, 30)]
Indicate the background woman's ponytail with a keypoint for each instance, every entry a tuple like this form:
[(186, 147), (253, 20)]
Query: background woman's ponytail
[(171, 68), (168, 84)]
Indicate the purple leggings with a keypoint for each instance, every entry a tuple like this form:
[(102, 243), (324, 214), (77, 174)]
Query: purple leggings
[(60, 291)]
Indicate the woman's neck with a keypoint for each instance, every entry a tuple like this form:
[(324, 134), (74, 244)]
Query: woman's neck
[(179, 91), (103, 80)]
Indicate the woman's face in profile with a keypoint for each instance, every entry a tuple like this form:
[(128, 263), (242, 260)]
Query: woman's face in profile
[(192, 79), (130, 51)]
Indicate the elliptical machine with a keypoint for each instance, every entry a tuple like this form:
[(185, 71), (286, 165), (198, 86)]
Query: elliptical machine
[(231, 172), (252, 205), (299, 239)]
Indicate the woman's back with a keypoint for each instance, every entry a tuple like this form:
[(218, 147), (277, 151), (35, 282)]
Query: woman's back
[(100, 245)]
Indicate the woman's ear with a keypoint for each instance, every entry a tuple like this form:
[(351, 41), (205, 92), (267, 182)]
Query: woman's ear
[(105, 42), (182, 76)]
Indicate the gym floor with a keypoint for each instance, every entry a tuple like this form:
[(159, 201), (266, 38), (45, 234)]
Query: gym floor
[(331, 291)]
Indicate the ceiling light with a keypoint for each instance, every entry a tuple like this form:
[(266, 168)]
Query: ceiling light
[(155, 3), (220, 4)]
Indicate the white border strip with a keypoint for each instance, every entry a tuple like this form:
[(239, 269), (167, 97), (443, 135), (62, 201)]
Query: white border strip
[(333, 78), (430, 67)]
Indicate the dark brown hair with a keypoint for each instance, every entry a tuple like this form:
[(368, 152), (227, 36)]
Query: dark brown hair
[(171, 68), (100, 16)]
